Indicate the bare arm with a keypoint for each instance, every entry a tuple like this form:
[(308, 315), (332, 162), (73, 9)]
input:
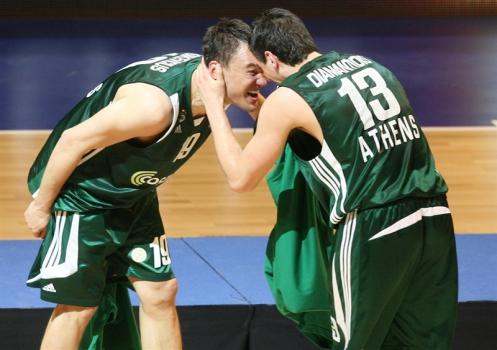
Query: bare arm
[(138, 111), (245, 168)]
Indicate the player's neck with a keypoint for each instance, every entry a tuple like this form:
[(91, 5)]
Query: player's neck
[(283, 70), (198, 108), (310, 57), (197, 105)]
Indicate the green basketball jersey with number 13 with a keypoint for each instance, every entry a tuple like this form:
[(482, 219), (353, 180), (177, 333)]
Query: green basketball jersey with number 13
[(374, 151)]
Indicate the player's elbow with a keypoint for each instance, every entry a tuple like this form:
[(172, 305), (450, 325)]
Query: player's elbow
[(241, 185), (70, 144), (67, 140)]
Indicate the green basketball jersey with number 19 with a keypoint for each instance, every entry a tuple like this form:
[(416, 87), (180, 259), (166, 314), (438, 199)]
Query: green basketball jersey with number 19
[(374, 151), (118, 175)]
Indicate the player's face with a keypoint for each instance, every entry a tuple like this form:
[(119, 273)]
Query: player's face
[(243, 78), (269, 68), (269, 72)]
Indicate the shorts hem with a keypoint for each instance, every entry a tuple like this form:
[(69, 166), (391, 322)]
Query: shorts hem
[(152, 277), (68, 301)]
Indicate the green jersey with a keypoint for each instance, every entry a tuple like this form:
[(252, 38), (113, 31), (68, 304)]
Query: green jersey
[(117, 175), (298, 252), (374, 152)]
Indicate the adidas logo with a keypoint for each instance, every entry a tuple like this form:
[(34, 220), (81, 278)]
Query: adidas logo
[(182, 115), (178, 130), (49, 288), (198, 121)]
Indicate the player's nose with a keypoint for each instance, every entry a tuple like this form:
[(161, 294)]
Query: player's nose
[(261, 80)]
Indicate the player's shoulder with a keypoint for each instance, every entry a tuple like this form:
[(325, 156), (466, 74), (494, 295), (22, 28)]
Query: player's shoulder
[(284, 102), (284, 98), (281, 94), (148, 98), (144, 91), (276, 102)]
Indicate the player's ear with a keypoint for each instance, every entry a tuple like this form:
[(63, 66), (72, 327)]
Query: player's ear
[(269, 56), (272, 59), (214, 68)]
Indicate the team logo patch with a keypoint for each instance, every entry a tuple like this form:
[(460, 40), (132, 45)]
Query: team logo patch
[(138, 255), (146, 177)]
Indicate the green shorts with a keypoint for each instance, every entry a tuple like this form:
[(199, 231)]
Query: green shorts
[(82, 250), (394, 277)]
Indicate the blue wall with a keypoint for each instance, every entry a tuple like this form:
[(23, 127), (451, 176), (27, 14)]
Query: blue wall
[(448, 65)]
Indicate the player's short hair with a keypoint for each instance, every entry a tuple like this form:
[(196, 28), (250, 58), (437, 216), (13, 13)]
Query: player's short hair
[(222, 40), (284, 34)]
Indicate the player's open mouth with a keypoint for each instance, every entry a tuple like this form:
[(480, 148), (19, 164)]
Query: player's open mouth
[(253, 94)]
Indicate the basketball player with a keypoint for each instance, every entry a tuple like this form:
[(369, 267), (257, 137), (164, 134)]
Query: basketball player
[(365, 157), (94, 185)]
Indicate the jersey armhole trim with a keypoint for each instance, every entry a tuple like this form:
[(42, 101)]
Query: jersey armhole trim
[(175, 103)]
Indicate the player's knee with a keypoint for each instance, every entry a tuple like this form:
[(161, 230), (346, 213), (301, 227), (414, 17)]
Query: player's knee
[(161, 295), (72, 313)]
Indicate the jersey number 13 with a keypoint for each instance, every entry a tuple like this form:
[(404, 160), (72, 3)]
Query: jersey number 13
[(351, 88)]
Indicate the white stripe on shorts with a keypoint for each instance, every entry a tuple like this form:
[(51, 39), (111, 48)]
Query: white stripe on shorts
[(411, 220), (343, 305), (51, 267), (53, 244)]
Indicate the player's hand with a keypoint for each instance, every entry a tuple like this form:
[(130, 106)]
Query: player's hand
[(37, 219), (210, 84)]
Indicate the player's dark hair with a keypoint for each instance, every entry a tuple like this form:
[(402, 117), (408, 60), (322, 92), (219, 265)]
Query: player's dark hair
[(284, 34), (222, 40)]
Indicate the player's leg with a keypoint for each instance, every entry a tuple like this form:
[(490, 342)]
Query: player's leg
[(159, 324), (66, 327), (148, 266), (427, 317), (405, 277), (369, 278)]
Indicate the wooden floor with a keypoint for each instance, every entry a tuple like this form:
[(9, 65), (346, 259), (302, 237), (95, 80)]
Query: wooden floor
[(197, 202)]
